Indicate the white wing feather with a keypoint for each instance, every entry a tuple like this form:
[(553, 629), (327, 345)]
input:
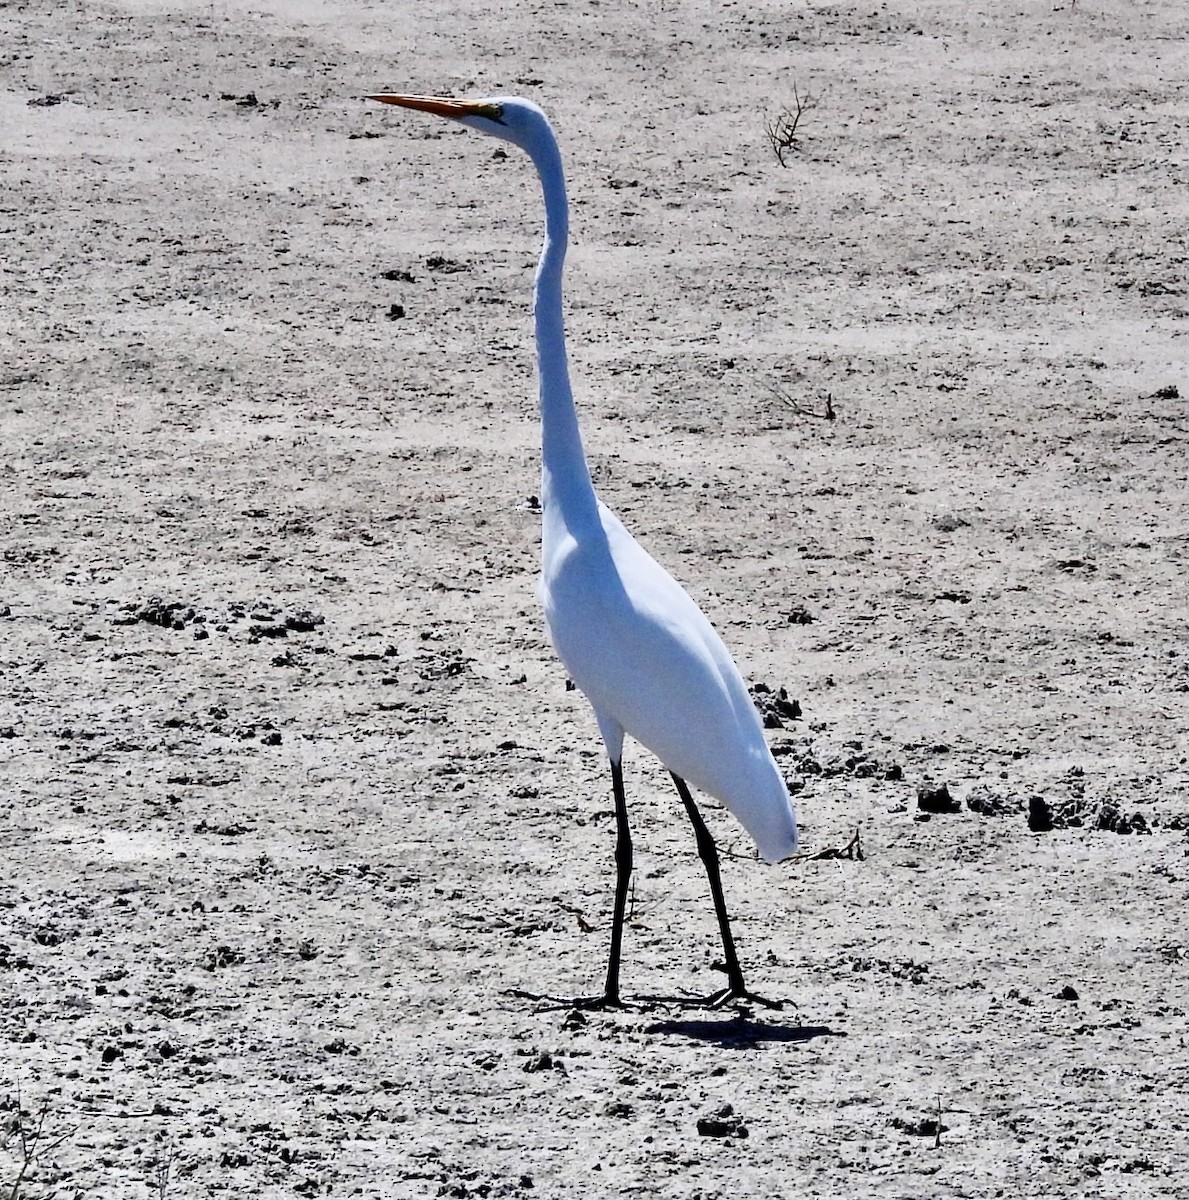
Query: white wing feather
[(646, 657)]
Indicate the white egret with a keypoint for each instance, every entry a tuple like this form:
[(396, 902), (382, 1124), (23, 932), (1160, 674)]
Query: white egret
[(633, 641)]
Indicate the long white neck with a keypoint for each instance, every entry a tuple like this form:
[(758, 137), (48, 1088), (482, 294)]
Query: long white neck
[(566, 489)]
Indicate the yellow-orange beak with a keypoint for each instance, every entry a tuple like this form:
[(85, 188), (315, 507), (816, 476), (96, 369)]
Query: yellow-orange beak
[(441, 106)]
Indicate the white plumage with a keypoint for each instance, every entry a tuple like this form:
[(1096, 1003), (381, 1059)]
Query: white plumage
[(653, 666), (633, 641)]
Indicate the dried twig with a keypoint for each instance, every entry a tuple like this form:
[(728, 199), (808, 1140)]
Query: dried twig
[(782, 129), (31, 1145), (852, 850), (828, 414), (164, 1168)]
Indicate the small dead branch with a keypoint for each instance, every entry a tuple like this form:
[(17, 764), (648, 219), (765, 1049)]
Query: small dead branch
[(852, 850), (782, 129), (164, 1170), (29, 1134), (828, 414)]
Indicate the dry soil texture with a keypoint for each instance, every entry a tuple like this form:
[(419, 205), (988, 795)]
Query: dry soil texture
[(294, 793)]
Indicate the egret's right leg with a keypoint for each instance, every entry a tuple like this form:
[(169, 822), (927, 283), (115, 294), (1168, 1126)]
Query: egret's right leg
[(623, 878)]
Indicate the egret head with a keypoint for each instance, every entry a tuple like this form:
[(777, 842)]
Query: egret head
[(506, 117)]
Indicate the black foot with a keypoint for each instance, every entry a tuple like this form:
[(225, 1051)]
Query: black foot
[(584, 1003), (740, 994)]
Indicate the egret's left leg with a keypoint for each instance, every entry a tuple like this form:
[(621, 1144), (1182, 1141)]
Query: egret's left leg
[(708, 852), (610, 997)]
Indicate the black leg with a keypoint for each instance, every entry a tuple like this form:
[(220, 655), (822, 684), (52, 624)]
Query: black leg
[(623, 877), (708, 852)]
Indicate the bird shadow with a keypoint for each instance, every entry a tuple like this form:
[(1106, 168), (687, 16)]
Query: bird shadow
[(741, 1032)]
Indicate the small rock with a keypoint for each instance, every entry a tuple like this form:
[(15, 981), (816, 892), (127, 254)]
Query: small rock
[(1067, 993)]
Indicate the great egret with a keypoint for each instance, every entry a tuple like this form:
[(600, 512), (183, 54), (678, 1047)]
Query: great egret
[(631, 638)]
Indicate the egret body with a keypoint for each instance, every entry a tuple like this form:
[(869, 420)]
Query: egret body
[(633, 641)]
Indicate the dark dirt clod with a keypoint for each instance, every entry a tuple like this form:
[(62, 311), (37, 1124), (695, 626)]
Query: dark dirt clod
[(724, 1123), (907, 969), (988, 803), (1113, 819), (166, 614), (925, 1127), (448, 266), (268, 631), (936, 799), (774, 705), (220, 957), (1040, 815)]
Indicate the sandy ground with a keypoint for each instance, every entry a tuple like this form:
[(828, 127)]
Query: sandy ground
[(293, 790)]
